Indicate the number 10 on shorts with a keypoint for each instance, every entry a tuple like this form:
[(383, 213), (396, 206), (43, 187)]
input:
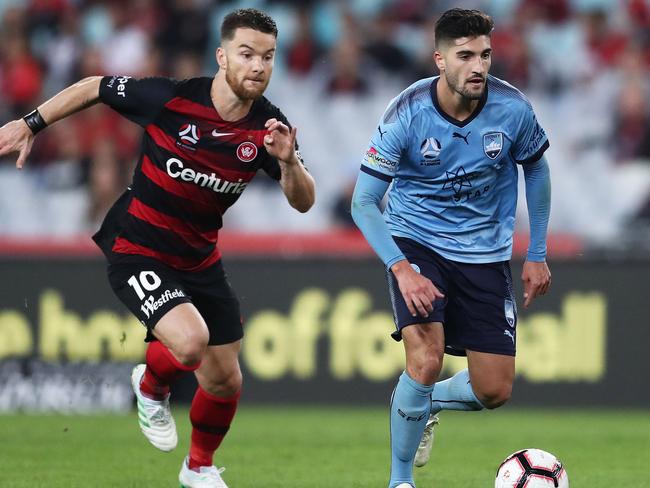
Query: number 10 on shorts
[(147, 280)]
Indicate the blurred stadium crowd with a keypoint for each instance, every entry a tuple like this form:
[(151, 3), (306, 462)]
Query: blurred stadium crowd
[(584, 64)]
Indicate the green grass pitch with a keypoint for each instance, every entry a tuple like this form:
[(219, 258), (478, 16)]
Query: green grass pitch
[(317, 447)]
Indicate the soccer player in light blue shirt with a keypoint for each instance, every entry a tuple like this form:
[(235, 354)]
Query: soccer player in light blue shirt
[(448, 150)]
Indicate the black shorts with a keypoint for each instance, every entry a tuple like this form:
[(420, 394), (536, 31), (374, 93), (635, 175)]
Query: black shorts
[(150, 289), (478, 311)]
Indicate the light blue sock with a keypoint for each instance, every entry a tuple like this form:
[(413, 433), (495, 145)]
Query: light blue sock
[(454, 393), (409, 411)]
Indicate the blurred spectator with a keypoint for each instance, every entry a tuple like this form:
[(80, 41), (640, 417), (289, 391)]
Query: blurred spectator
[(65, 168), (639, 14), (154, 65), (14, 21), (97, 123), (22, 75), (606, 45), (346, 76), (631, 136), (127, 50), (89, 64), (381, 46), (62, 52), (184, 29), (46, 15), (559, 55), (341, 215), (304, 50), (511, 59), (423, 63), (186, 65), (107, 179)]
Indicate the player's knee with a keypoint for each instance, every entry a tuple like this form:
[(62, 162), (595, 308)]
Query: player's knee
[(190, 351), (224, 386), (424, 367), (494, 396)]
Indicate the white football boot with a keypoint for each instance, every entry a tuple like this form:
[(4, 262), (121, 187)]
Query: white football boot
[(404, 485), (206, 477), (426, 443), (154, 416)]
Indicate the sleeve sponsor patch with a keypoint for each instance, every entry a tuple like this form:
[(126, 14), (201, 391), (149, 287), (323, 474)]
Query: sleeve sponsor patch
[(375, 159), (119, 84)]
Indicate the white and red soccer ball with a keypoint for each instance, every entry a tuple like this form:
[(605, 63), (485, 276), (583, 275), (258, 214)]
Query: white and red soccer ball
[(531, 468)]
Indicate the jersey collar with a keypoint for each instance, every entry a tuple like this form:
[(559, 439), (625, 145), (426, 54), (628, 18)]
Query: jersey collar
[(449, 118)]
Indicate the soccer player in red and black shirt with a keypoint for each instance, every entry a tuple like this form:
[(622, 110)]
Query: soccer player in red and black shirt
[(204, 141)]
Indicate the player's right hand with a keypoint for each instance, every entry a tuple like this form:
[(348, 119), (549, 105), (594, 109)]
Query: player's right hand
[(418, 291), (536, 278), (15, 136)]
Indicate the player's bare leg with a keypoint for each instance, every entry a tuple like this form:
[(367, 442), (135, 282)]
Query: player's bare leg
[(491, 376), (182, 339), (411, 403), (213, 408), (424, 345)]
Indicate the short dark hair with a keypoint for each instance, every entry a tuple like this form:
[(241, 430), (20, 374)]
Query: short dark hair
[(247, 18), (457, 22)]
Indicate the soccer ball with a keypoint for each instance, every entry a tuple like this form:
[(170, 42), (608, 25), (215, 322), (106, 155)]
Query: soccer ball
[(531, 468)]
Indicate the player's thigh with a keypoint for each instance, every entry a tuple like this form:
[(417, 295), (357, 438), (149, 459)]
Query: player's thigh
[(492, 376), (183, 330), (158, 297), (219, 372), (425, 262)]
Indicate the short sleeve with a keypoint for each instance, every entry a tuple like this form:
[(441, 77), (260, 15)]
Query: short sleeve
[(387, 143), (531, 141), (139, 100)]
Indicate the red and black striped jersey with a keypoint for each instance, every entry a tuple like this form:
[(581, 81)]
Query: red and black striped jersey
[(192, 167)]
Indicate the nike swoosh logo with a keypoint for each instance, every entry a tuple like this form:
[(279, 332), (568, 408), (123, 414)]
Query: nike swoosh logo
[(221, 134)]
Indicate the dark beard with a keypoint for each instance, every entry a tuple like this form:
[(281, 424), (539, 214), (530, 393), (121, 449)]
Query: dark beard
[(453, 83), (241, 92)]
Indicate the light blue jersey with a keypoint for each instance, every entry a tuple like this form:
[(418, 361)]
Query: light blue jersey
[(454, 184)]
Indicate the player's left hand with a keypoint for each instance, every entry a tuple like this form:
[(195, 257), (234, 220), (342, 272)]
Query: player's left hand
[(280, 142), (537, 280)]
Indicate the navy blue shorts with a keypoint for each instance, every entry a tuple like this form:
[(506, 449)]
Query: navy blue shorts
[(478, 312), (150, 289)]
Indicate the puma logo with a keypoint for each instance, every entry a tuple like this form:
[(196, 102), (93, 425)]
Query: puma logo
[(457, 135), (509, 334)]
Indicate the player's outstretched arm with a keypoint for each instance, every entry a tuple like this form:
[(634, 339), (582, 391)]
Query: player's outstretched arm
[(297, 184), (536, 275), (17, 136)]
